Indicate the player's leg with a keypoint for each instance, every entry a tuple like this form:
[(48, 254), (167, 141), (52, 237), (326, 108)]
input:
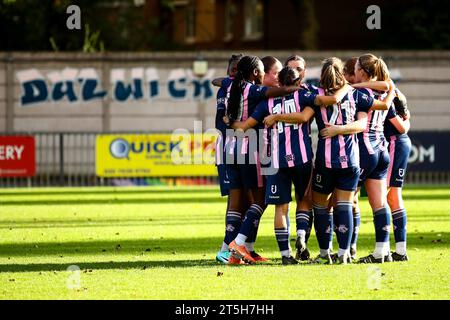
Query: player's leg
[(301, 177), (377, 195), (399, 220), (253, 181), (224, 254), (346, 185), (236, 207), (368, 163), (322, 187), (304, 221), (251, 239), (282, 233), (323, 224), (331, 205), (278, 192), (356, 225), (399, 150), (344, 212)]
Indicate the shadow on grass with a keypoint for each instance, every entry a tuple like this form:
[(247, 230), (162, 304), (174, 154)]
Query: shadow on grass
[(197, 198), (108, 250), (109, 201), (154, 219), (111, 223), (119, 190), (88, 267), (105, 265)]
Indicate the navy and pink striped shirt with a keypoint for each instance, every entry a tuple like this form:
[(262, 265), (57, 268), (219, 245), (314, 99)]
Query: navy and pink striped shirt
[(289, 143), (340, 151), (252, 95), (220, 125), (372, 139)]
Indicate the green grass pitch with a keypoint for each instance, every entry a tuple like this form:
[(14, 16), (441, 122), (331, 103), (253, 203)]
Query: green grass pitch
[(160, 243)]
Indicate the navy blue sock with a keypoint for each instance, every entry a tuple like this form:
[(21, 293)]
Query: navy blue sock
[(344, 231), (302, 221), (382, 222), (399, 222), (323, 223), (252, 237), (356, 224), (282, 235), (335, 220), (233, 224), (251, 221)]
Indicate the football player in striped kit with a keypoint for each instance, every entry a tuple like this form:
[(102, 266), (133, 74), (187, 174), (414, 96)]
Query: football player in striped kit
[(243, 95), (290, 147), (374, 160), (399, 148), (337, 158), (396, 133), (231, 229)]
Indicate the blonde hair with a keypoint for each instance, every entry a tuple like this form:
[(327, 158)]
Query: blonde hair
[(374, 67), (332, 75)]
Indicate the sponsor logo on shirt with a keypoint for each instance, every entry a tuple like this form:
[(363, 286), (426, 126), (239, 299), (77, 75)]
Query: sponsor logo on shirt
[(221, 100), (289, 157), (343, 159)]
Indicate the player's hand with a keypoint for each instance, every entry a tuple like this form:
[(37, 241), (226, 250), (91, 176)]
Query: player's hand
[(269, 120), (391, 84), (226, 120), (329, 131)]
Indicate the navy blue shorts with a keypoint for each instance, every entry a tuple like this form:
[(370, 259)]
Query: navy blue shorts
[(325, 180), (399, 149), (223, 180), (373, 166), (244, 176), (279, 185)]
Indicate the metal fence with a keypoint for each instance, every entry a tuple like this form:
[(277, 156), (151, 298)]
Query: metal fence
[(68, 159)]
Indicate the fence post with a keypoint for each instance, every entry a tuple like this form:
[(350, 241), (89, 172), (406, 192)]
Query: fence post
[(61, 159)]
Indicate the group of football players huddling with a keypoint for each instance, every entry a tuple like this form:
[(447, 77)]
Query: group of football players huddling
[(362, 120)]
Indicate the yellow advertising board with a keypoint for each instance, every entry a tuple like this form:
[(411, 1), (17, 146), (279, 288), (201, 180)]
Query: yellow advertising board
[(155, 155)]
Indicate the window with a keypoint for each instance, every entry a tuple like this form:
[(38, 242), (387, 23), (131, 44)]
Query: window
[(190, 23), (254, 16), (230, 14)]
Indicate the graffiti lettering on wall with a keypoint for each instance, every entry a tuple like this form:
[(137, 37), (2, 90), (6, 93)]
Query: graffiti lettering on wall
[(84, 85)]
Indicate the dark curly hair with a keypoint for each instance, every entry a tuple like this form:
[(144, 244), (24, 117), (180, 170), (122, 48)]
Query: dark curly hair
[(245, 68)]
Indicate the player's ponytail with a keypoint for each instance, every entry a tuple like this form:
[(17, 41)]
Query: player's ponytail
[(374, 67), (245, 67), (381, 70), (332, 75)]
